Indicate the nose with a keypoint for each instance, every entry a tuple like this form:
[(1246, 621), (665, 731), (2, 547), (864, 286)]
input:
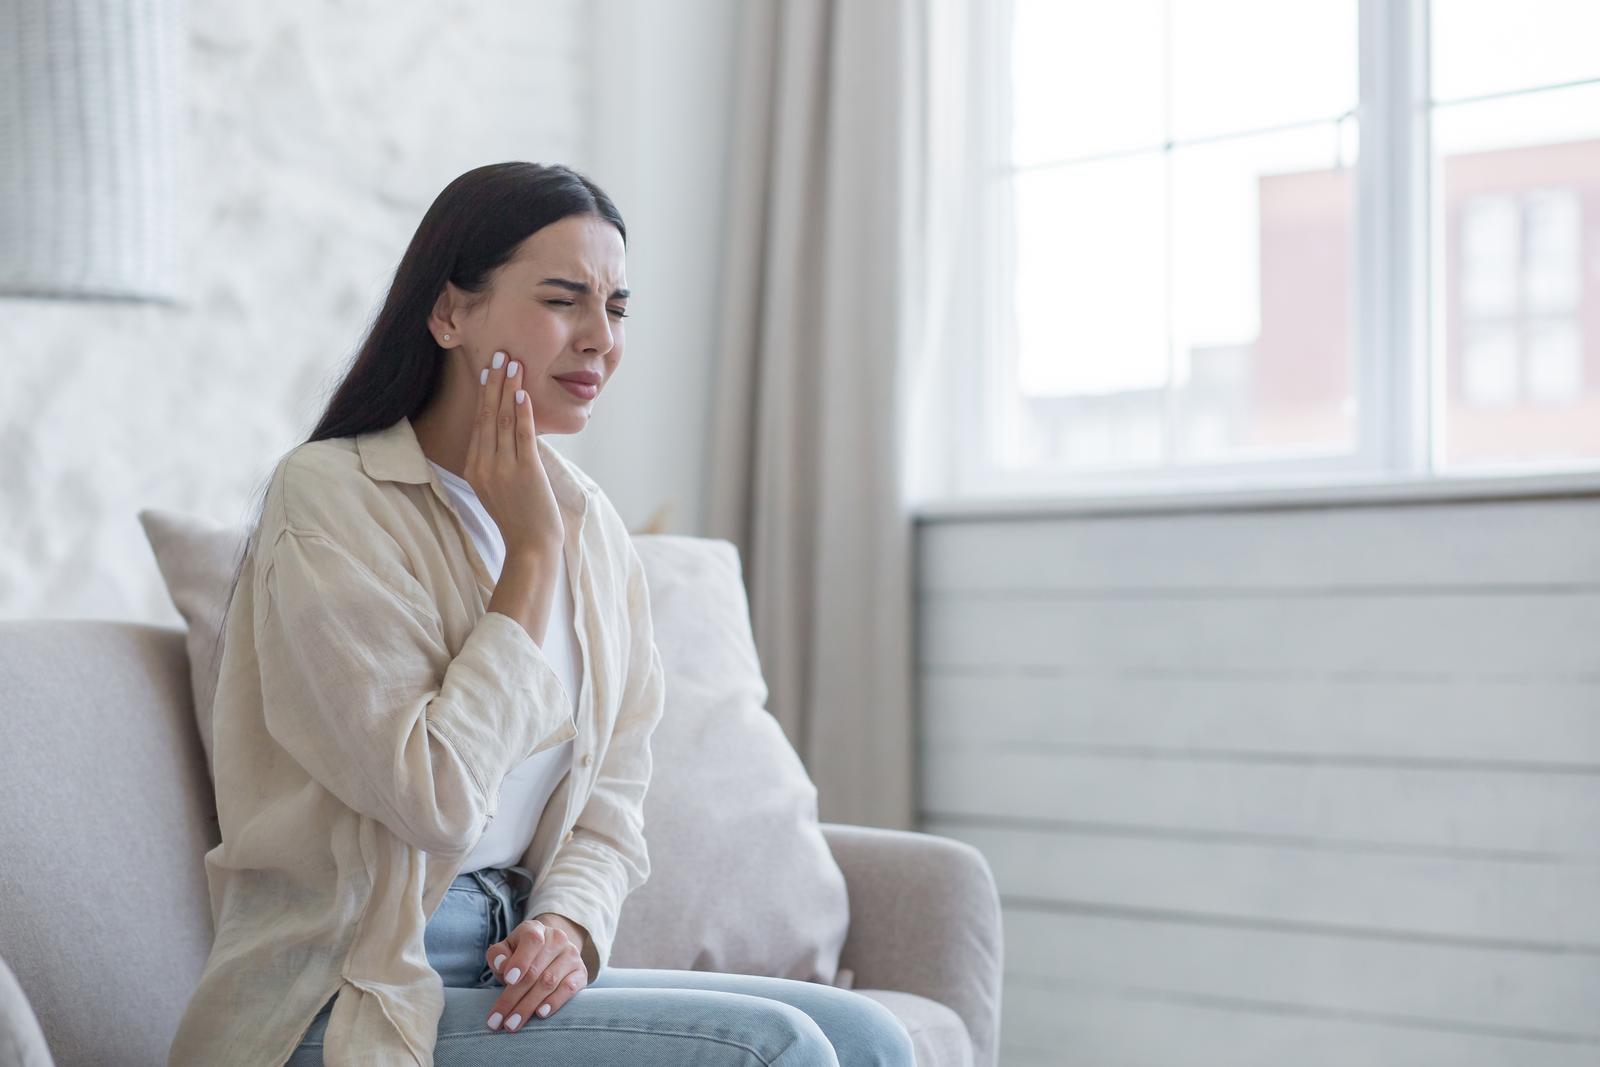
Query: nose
[(598, 337)]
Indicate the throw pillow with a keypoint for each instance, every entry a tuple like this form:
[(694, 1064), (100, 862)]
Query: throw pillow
[(197, 560), (741, 877)]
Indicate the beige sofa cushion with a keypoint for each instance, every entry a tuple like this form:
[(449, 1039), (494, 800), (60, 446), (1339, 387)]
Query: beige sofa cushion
[(105, 815), (197, 560), (742, 879)]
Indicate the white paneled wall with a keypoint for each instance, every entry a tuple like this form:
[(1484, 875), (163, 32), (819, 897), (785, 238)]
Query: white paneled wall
[(1278, 785)]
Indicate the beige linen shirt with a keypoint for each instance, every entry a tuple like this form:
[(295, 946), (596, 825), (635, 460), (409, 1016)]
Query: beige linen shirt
[(367, 710)]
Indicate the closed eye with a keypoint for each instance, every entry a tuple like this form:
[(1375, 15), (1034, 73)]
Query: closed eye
[(568, 303)]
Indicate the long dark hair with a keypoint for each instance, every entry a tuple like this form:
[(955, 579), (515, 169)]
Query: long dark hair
[(471, 229)]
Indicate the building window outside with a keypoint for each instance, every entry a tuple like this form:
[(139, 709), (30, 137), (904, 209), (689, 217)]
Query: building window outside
[(1186, 252)]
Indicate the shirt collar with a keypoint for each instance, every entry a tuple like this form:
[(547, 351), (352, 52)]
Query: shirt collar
[(394, 454)]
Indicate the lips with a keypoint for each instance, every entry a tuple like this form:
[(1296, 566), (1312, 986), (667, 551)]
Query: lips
[(583, 377)]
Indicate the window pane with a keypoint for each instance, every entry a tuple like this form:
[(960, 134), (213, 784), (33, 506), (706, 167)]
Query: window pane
[(1090, 311), (1552, 117), (1520, 278), (1492, 46), (1177, 301), (1063, 55), (1263, 253), (1226, 52)]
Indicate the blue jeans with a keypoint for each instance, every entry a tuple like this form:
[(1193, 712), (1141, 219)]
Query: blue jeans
[(666, 1018)]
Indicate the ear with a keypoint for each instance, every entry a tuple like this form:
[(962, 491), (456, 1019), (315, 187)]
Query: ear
[(447, 316)]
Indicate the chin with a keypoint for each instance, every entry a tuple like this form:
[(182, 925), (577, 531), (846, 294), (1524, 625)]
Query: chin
[(565, 422)]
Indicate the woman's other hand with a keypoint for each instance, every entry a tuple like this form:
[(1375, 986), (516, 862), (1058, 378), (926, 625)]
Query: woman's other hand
[(541, 963)]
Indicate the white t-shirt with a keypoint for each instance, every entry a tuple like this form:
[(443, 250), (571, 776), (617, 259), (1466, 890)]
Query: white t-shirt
[(527, 789)]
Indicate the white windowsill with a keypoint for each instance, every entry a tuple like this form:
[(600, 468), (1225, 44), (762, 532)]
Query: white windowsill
[(1364, 492)]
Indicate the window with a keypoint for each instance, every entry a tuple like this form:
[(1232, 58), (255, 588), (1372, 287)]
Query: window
[(1244, 241), (1514, 123)]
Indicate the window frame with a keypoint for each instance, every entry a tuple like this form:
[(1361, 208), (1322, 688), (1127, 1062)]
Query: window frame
[(1399, 361)]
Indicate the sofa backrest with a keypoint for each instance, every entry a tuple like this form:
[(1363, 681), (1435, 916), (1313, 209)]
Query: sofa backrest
[(105, 814)]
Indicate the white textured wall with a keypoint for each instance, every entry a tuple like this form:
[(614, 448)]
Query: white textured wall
[(317, 133)]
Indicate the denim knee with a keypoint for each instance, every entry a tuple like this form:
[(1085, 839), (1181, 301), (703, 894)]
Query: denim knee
[(800, 1041), (885, 1041)]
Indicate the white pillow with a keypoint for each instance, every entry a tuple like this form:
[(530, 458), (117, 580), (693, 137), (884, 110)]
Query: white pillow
[(741, 877)]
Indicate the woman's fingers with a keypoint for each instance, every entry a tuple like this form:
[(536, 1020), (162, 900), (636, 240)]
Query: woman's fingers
[(550, 982), (481, 444), (535, 946), (496, 957), (507, 422), (561, 979), (505, 467), (525, 427), (565, 986)]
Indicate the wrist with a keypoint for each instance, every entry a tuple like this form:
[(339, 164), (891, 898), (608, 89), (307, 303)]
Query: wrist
[(565, 925)]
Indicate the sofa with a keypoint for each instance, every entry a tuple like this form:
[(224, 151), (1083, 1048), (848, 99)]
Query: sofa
[(106, 811)]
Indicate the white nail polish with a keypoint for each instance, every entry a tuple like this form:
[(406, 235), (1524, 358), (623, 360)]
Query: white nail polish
[(498, 960), (513, 1022), (511, 979), (494, 1021), (544, 1009), (511, 371), (483, 379), (521, 395), (499, 358)]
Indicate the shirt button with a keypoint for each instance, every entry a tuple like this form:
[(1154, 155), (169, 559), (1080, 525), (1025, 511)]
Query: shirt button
[(587, 759), (567, 837)]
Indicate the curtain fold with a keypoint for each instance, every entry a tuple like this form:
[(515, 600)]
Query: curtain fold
[(833, 299)]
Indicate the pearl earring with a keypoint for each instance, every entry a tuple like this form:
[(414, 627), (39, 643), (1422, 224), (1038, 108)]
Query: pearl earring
[(447, 337)]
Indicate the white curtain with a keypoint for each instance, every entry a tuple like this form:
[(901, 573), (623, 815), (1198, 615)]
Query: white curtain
[(840, 261)]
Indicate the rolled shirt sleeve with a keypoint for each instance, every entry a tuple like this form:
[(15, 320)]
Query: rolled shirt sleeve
[(605, 859), (360, 688)]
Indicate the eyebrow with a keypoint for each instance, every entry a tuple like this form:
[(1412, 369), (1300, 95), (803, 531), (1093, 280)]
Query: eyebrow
[(579, 287)]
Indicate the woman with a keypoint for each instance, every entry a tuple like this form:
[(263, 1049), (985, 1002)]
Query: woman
[(437, 692)]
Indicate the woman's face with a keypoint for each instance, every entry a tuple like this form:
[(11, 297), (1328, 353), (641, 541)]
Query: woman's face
[(556, 307)]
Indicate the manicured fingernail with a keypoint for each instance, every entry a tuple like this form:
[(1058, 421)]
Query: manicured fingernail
[(498, 960), (494, 1021), (483, 379), (499, 358), (513, 1022), (544, 1009), (521, 395), (511, 371), (511, 979)]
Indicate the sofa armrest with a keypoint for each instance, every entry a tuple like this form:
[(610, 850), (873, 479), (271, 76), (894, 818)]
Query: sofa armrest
[(924, 919), (22, 1043)]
